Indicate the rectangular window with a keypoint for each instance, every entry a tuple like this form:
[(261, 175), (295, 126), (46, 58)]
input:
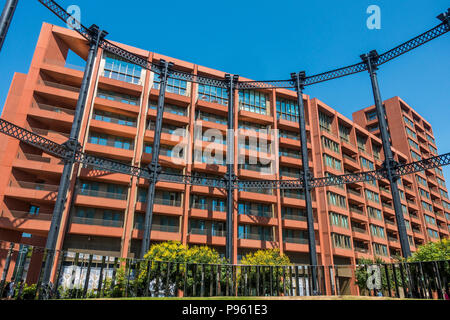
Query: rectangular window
[(120, 69), (325, 122), (408, 121), (361, 141), (331, 162), (367, 164), (344, 133), (341, 241), (421, 181), (287, 110), (371, 115), (253, 101), (374, 213), (431, 139), (372, 196), (173, 85), (377, 231), (379, 249), (416, 156), (338, 220), (427, 206), (413, 144), (330, 144), (411, 133), (336, 199), (213, 94), (119, 97)]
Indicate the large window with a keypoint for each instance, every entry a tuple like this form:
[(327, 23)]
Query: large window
[(371, 115), (372, 196), (331, 162), (367, 164), (325, 122), (344, 133), (374, 213), (287, 110), (119, 97), (173, 85), (416, 156), (253, 101), (341, 241), (377, 231), (338, 220), (111, 141), (336, 199), (379, 249), (120, 69), (213, 94), (408, 121), (413, 144), (330, 144)]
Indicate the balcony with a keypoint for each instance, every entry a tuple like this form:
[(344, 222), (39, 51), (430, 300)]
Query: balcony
[(57, 85), (98, 222), (34, 186), (361, 250), (158, 227), (101, 194), (295, 240), (255, 236), (208, 232), (295, 217), (49, 108), (359, 230)]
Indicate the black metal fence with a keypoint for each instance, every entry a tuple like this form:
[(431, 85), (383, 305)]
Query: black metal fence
[(86, 275)]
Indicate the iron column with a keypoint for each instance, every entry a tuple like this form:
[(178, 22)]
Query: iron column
[(72, 146), (389, 162), (299, 80), (154, 167), (230, 175), (6, 18)]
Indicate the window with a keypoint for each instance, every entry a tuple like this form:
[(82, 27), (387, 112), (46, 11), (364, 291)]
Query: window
[(371, 115), (438, 172), (288, 135), (443, 193), (325, 122), (287, 110), (344, 133), (372, 196), (429, 219), (376, 152), (431, 139), (421, 181), (377, 231), (286, 152), (255, 209), (366, 163), (213, 94), (253, 101), (33, 211), (114, 118), (336, 199), (416, 156), (331, 162), (341, 241), (119, 97), (173, 85), (441, 182), (424, 193), (432, 149), (111, 141), (379, 249), (427, 206), (205, 116), (374, 213), (433, 233), (408, 121), (411, 133), (330, 144), (361, 141), (338, 220), (120, 69)]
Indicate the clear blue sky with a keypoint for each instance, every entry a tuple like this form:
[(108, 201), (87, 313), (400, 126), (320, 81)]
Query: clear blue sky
[(269, 40)]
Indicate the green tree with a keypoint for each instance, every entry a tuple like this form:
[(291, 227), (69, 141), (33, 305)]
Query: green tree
[(270, 257), (432, 251)]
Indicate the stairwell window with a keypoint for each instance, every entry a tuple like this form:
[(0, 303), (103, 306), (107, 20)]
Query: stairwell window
[(120, 69)]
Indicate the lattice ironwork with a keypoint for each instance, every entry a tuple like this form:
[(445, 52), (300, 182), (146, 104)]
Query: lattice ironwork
[(429, 163), (414, 43), (33, 139), (264, 84)]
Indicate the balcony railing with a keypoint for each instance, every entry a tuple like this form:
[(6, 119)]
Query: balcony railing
[(363, 250), (47, 107), (162, 201), (101, 194), (391, 222), (255, 236), (158, 227), (208, 232), (98, 222), (59, 85), (35, 157), (43, 216), (355, 192), (359, 229), (356, 210), (392, 239), (46, 133), (257, 213), (33, 185), (295, 240), (296, 217)]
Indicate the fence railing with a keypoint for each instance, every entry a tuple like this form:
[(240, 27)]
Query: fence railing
[(92, 275)]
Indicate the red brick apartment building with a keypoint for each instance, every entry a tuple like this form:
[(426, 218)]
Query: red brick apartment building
[(105, 211)]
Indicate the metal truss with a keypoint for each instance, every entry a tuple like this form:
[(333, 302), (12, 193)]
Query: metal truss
[(99, 163), (409, 45)]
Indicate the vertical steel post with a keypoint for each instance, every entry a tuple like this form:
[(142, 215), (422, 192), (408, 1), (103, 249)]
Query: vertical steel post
[(6, 268), (6, 18), (230, 176), (299, 80), (154, 167), (389, 163), (72, 146)]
